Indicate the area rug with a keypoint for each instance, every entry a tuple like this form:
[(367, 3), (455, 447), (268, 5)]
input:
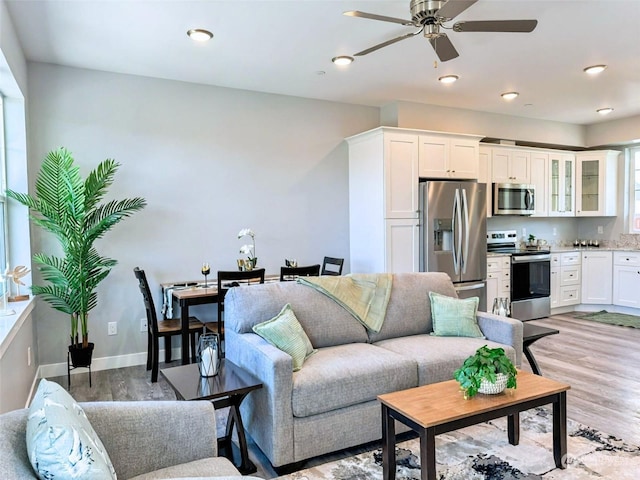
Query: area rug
[(482, 452), (613, 318)]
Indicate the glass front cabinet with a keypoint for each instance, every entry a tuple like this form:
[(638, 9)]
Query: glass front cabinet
[(561, 185), (596, 183)]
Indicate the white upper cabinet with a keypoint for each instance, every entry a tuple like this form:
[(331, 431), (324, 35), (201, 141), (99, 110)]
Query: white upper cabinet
[(540, 179), (596, 183), (401, 175), (510, 166), (561, 185), (448, 157)]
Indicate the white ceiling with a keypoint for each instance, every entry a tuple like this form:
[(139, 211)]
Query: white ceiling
[(282, 46)]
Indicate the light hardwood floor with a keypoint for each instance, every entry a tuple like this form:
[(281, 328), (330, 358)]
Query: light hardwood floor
[(600, 362)]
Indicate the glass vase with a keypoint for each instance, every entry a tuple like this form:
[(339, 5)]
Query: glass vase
[(208, 355)]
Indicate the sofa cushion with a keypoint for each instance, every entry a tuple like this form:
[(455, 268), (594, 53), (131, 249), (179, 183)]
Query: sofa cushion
[(61, 443), (439, 357), (454, 317), (345, 375), (285, 332), (409, 309), (319, 316), (204, 468)]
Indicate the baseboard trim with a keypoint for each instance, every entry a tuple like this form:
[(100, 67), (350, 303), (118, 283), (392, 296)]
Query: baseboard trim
[(103, 363)]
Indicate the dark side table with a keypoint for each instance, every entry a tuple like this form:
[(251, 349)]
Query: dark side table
[(530, 334), (226, 389)]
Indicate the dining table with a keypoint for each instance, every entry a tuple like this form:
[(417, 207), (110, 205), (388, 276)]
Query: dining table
[(191, 293)]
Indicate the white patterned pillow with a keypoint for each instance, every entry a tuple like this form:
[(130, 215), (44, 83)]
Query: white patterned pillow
[(61, 442)]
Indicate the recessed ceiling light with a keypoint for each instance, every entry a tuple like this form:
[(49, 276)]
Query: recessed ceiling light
[(605, 111), (448, 78), (509, 95), (594, 69), (200, 35), (342, 60)]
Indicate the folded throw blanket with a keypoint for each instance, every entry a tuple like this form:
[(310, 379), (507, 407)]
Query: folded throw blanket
[(363, 295)]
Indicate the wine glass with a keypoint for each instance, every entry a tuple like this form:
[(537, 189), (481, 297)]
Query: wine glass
[(205, 270)]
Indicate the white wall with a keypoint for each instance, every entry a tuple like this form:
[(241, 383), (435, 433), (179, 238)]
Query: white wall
[(614, 132), (209, 161), (433, 117)]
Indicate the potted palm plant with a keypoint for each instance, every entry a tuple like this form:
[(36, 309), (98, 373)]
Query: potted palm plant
[(69, 207)]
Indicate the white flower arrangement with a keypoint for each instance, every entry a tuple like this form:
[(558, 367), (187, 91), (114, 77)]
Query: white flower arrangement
[(249, 250)]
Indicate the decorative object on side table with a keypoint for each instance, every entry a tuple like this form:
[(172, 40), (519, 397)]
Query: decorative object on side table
[(205, 270), (488, 371), (69, 207), (248, 250), (208, 355)]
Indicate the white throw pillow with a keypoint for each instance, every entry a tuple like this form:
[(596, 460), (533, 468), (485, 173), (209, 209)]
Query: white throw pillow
[(61, 443)]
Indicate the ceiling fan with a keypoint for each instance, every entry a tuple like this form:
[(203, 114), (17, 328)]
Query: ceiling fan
[(430, 15)]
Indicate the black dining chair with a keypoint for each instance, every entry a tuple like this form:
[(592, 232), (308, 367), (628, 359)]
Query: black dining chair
[(166, 328), (288, 274), (227, 280), (332, 266)]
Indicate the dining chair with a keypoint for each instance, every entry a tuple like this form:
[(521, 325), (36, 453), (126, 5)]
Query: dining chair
[(288, 274), (332, 266), (166, 328), (227, 280)]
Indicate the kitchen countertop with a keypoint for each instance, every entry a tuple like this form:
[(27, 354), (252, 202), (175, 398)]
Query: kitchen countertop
[(575, 249)]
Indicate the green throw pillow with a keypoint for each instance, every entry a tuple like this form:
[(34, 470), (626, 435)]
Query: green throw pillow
[(454, 317), (285, 332), (61, 443)]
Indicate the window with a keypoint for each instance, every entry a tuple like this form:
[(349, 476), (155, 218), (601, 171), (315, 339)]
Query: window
[(634, 205), (4, 254)]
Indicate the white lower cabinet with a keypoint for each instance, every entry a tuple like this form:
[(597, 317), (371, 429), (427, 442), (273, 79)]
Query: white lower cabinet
[(626, 279), (570, 279), (498, 278), (597, 277), (554, 282), (401, 243)]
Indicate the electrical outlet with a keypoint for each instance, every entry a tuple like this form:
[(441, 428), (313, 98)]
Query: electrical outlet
[(143, 324), (112, 328), (555, 231), (600, 229), (524, 232)]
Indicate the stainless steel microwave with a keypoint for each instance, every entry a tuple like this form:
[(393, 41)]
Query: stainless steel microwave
[(514, 199)]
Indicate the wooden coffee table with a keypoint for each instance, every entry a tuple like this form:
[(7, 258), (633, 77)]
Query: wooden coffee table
[(227, 389), (441, 407)]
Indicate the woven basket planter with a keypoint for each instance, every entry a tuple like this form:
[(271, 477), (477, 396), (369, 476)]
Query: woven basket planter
[(493, 388)]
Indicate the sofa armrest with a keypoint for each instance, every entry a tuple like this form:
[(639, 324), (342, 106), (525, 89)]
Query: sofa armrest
[(141, 437), (502, 330), (267, 413)]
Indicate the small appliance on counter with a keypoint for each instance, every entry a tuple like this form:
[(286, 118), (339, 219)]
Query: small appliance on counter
[(530, 275)]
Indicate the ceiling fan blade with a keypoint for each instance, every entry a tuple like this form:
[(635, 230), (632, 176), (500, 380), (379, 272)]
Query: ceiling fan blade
[(384, 44), (382, 18), (522, 26), (453, 8), (444, 48)]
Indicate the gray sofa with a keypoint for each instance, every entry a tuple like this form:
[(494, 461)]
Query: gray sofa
[(144, 440), (330, 403)]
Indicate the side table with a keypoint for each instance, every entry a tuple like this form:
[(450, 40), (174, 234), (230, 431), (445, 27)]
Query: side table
[(530, 334), (226, 389)]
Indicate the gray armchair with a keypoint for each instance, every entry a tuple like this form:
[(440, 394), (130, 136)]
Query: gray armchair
[(145, 440)]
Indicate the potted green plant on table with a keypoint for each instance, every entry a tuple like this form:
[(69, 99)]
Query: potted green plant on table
[(69, 207), (489, 370)]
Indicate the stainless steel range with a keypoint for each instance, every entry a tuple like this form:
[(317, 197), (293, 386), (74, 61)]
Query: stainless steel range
[(530, 275)]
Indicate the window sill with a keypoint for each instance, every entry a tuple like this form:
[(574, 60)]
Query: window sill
[(11, 324)]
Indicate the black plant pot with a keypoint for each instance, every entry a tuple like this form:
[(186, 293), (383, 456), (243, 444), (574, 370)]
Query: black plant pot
[(81, 357)]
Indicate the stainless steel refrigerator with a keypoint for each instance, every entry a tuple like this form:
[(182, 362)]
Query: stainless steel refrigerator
[(453, 234)]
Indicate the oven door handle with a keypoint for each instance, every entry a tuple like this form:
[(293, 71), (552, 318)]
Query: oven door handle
[(475, 286), (530, 258)]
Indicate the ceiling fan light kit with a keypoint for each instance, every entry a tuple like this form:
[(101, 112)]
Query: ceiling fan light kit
[(448, 78), (430, 15), (594, 69), (342, 60), (200, 34)]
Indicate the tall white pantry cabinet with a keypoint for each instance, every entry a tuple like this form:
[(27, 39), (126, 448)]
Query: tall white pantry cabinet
[(384, 174)]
